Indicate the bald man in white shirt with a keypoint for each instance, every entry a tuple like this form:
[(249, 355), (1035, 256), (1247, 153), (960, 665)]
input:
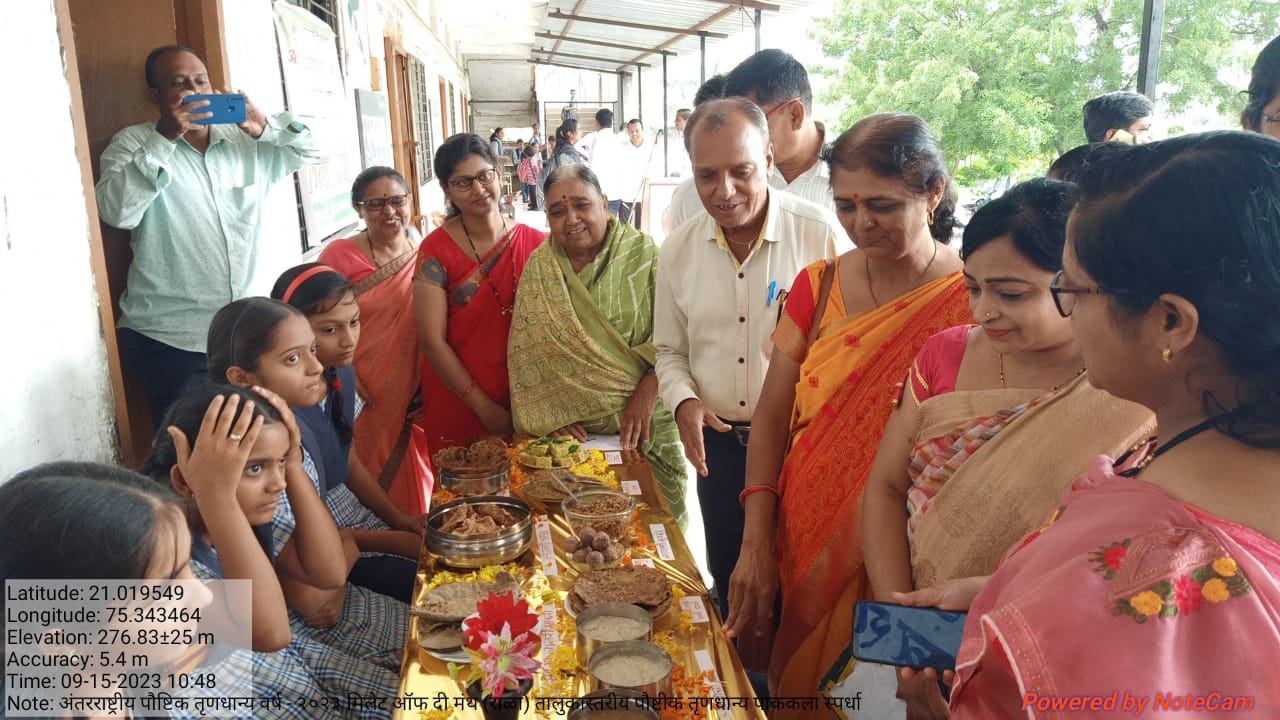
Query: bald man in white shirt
[(721, 277)]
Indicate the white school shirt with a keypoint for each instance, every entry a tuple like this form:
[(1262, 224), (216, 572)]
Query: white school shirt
[(713, 319)]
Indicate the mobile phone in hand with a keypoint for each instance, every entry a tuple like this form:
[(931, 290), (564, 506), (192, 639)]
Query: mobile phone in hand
[(917, 637), (1123, 136), (226, 108)]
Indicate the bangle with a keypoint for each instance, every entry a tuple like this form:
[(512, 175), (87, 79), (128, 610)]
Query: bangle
[(742, 498), (463, 395)]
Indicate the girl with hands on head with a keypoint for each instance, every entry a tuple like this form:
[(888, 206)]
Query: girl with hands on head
[(263, 343), (233, 453)]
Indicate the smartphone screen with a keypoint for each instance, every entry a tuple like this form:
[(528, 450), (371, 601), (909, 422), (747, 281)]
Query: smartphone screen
[(917, 637), (226, 108)]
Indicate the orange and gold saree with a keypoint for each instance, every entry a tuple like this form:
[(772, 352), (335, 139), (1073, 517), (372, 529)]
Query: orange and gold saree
[(849, 382), (386, 363)]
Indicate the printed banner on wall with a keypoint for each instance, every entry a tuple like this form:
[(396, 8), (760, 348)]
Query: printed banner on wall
[(316, 94)]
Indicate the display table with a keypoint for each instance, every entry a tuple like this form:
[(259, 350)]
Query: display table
[(709, 680)]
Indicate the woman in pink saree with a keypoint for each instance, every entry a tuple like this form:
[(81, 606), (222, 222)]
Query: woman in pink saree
[(1152, 588), (379, 263)]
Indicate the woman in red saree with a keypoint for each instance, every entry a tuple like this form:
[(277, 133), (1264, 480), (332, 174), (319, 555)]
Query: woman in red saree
[(464, 291), (828, 394), (379, 263)]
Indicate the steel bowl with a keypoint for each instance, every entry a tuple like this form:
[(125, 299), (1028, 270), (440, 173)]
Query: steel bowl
[(476, 551), (632, 650), (614, 704), (588, 644), (494, 482), (617, 525)]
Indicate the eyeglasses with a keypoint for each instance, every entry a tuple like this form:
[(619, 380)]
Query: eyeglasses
[(465, 182), (394, 201), (1065, 297), (779, 106)]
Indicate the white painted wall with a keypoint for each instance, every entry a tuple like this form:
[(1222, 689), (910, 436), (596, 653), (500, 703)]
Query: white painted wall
[(253, 65), (55, 401)]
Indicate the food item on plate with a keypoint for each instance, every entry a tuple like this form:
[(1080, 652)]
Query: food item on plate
[(613, 628), (483, 456), (447, 605), (647, 587), (602, 510), (451, 602), (591, 548), (476, 519), (630, 670), (541, 485), (553, 452), (440, 636)]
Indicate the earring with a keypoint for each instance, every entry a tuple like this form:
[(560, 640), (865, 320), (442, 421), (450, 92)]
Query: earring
[(1167, 355), (929, 217)]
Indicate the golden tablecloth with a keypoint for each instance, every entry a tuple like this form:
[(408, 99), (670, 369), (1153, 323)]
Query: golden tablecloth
[(427, 686)]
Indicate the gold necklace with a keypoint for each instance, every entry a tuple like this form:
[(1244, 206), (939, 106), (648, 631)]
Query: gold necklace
[(1052, 389), (915, 282)]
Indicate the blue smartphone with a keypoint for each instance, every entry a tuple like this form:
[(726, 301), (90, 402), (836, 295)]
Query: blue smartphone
[(917, 637), (226, 108)]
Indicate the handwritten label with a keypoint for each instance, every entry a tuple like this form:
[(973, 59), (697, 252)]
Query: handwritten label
[(697, 611), (631, 487), (546, 546), (646, 562), (550, 637), (613, 457), (706, 664), (660, 539)]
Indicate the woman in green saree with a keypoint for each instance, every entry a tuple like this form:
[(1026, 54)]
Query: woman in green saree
[(581, 351)]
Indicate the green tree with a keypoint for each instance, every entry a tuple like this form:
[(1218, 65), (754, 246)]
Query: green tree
[(1003, 81)]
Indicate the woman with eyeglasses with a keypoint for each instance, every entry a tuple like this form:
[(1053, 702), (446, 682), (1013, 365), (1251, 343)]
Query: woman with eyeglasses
[(964, 469), (378, 261), (464, 291), (843, 341), (1154, 581), (1262, 114)]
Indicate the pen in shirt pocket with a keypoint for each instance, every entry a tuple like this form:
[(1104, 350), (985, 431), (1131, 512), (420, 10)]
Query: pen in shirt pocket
[(773, 287)]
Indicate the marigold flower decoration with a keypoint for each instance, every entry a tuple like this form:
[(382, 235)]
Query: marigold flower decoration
[(502, 642)]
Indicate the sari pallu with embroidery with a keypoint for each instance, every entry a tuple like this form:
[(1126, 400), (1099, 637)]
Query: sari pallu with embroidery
[(387, 365), (582, 341), (983, 483), (481, 297), (849, 382), (1131, 596)]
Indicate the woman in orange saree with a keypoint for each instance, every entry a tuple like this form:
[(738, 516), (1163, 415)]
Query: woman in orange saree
[(828, 394), (379, 263), (464, 292)]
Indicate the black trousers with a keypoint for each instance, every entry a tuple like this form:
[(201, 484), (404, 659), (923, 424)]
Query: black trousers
[(163, 369), (390, 575), (722, 516)]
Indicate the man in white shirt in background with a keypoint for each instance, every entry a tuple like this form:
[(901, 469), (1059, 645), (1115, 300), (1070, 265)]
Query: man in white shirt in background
[(720, 276), (603, 151), (684, 199), (677, 157), (636, 156), (779, 84)]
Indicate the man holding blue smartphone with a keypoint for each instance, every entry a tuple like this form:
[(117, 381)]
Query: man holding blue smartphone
[(189, 186)]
